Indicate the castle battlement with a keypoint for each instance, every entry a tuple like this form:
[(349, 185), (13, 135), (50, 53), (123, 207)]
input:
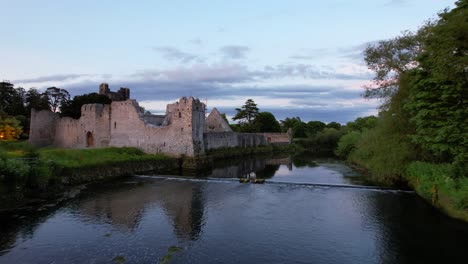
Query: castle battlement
[(183, 130)]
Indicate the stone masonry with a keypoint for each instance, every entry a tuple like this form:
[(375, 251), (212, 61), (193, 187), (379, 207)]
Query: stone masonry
[(183, 130)]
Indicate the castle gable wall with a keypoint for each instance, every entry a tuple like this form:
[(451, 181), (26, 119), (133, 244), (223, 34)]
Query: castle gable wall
[(216, 123)]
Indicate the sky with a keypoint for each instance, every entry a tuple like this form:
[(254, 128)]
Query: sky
[(293, 58)]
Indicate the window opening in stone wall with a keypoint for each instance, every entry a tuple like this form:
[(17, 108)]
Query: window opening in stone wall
[(115, 125), (180, 114), (89, 140)]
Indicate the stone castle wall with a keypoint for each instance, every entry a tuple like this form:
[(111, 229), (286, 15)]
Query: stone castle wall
[(182, 131), (215, 140), (277, 138), (42, 127)]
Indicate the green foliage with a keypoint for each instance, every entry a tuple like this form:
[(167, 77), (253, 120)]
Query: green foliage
[(299, 130), (72, 108), (347, 144), (389, 59), (334, 125), (266, 122), (362, 123), (288, 123), (12, 99), (10, 128), (76, 158), (441, 185), (57, 97), (13, 170), (384, 154), (36, 100), (313, 127), (247, 113)]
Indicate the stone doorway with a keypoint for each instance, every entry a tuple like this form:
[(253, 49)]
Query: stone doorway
[(89, 140)]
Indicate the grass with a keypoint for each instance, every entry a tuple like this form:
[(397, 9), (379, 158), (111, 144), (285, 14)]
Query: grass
[(79, 158), (29, 167), (440, 185)]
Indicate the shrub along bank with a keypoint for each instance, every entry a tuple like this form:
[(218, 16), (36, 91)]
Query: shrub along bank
[(24, 166)]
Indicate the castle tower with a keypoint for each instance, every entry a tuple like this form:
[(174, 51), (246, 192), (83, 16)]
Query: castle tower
[(188, 114), (104, 89)]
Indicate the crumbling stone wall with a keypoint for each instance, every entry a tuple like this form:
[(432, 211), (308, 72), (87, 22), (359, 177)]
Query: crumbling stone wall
[(184, 130), (277, 138), (42, 127), (214, 140)]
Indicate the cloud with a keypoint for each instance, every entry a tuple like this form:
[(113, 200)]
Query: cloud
[(196, 41), (352, 53), (396, 2), (174, 54), (49, 78), (234, 52), (312, 92)]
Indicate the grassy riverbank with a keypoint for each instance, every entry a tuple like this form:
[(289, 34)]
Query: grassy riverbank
[(442, 185), (26, 166)]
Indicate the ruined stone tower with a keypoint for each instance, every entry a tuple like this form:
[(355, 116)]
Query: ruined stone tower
[(121, 95), (188, 115)]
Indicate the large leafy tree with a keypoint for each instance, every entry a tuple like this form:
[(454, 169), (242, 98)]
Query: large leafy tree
[(57, 97), (36, 100), (423, 80), (12, 99), (247, 113), (389, 59), (266, 122), (72, 108), (438, 96)]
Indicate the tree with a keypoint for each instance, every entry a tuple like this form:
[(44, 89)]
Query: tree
[(289, 122), (36, 100), (10, 128), (391, 58), (266, 122), (72, 108), (299, 130), (12, 99), (313, 127), (247, 113), (334, 125), (57, 97), (362, 123), (437, 100)]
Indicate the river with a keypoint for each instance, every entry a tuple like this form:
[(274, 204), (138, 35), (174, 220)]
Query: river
[(308, 211)]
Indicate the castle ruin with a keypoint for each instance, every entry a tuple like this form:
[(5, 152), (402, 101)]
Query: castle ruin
[(183, 130)]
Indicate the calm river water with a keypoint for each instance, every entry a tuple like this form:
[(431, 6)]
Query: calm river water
[(308, 211)]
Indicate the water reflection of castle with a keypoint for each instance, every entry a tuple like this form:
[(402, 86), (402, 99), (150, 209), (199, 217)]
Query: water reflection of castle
[(183, 201), (261, 168)]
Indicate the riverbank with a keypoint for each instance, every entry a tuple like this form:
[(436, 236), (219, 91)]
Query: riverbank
[(28, 173), (440, 185)]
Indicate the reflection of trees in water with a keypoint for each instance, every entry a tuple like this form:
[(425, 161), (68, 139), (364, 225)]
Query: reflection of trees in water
[(302, 161), (407, 230), (182, 201), (267, 172), (244, 168), (13, 229)]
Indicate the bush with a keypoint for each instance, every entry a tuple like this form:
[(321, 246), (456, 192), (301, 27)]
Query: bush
[(385, 155), (13, 170), (347, 144), (439, 184)]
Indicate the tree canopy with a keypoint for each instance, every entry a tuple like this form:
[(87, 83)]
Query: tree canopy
[(57, 97), (72, 108), (247, 113)]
